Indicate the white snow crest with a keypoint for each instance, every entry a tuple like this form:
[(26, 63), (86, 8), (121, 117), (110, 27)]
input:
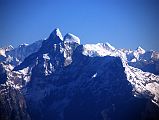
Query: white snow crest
[(45, 56), (58, 33), (98, 49), (70, 38), (110, 46)]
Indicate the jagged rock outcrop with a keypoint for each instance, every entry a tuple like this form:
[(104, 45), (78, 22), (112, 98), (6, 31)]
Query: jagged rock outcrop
[(12, 104)]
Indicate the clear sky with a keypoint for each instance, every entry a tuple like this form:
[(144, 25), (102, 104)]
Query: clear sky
[(122, 23)]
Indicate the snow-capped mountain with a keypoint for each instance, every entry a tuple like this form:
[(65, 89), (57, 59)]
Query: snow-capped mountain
[(14, 56), (63, 80)]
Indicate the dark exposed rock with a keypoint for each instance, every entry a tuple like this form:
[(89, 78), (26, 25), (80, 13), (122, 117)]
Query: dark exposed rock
[(3, 74), (12, 104)]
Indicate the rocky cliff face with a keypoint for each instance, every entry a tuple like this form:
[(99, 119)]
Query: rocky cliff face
[(97, 91), (12, 104), (64, 80)]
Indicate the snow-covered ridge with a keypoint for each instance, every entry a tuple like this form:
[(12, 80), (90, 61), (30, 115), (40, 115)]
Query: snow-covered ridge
[(99, 49), (140, 50), (110, 46), (5, 49), (2, 52), (25, 50), (70, 38), (56, 33), (144, 83)]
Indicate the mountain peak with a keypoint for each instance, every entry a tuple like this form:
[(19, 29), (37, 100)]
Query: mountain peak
[(70, 38), (23, 45), (140, 49), (110, 46), (56, 33), (10, 47), (99, 49)]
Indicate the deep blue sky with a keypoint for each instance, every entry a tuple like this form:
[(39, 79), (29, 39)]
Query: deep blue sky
[(122, 23)]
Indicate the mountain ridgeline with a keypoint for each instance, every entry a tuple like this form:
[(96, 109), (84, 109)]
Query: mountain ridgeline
[(60, 79)]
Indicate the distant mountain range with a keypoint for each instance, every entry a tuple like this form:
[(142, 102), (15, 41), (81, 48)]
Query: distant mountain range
[(61, 79)]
